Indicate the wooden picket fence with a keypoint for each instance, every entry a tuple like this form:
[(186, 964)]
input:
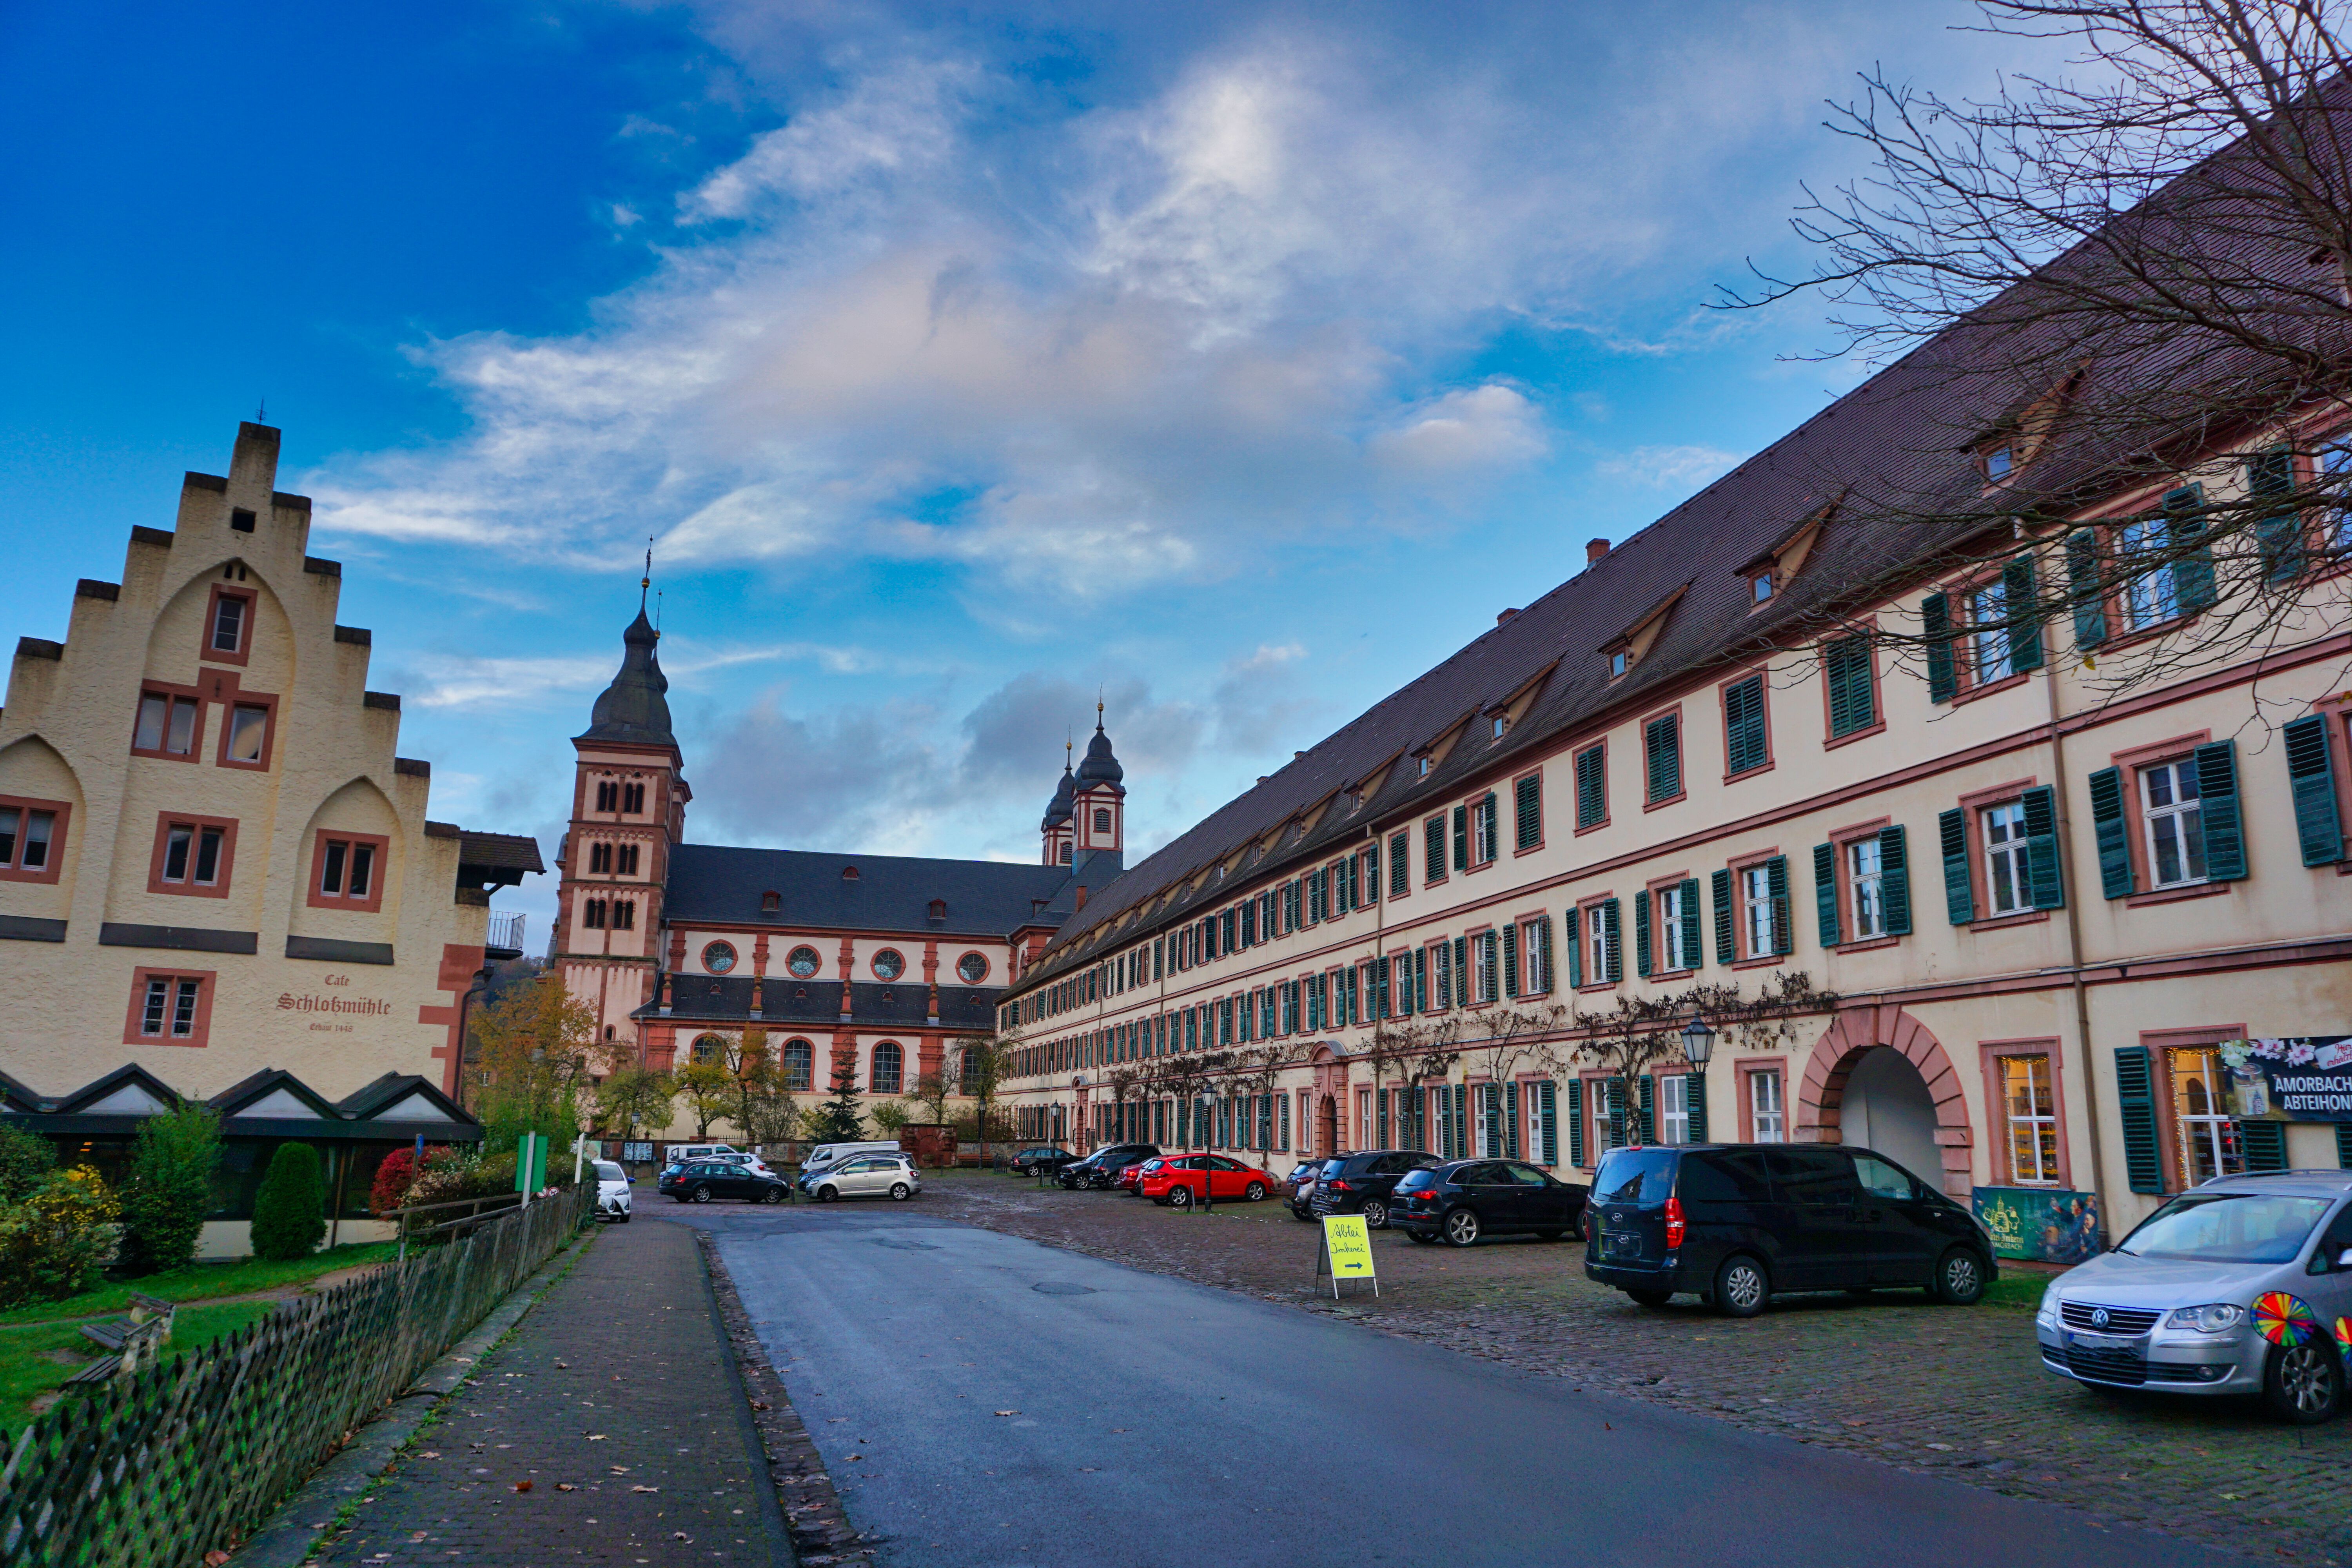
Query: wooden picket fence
[(189, 1454)]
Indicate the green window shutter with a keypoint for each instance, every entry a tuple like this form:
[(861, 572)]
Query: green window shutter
[(1461, 972), (2192, 573), (1461, 837), (1399, 868), (1542, 928), (1695, 1097), (2136, 1109), (1511, 960), (1776, 876), (1433, 849), (1689, 891), (2083, 585), (1825, 899), (1662, 750), (1895, 878), (1571, 927), (2020, 593), (1642, 933), (1605, 912), (1489, 817), (1936, 626), (2265, 1144), (1960, 897), (2272, 473), (1575, 1097), (1420, 980), (1591, 786), (2344, 1145), (1649, 1110), (1528, 807), (1726, 953), (2312, 779), (1615, 1089), (1546, 1127), (2108, 826), (1852, 704), (2225, 836), (2043, 882), (1743, 725)]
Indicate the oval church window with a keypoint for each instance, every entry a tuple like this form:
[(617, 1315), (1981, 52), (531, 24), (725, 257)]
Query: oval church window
[(972, 968), (719, 957), (888, 965), (803, 962)]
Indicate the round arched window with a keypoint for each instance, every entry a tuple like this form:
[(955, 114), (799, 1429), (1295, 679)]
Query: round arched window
[(799, 1065), (803, 962), (888, 965), (890, 1068), (972, 968), (719, 957), (709, 1048)]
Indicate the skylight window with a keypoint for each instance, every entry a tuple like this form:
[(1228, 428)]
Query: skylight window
[(1999, 463), (1762, 586)]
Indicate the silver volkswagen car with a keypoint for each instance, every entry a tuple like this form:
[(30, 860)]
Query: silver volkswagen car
[(2240, 1286)]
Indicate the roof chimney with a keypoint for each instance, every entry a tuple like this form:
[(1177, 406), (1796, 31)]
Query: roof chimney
[(1595, 549), (1504, 618)]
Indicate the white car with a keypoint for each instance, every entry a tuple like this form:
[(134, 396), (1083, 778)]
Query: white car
[(870, 1176), (687, 1153), (611, 1191), (751, 1162)]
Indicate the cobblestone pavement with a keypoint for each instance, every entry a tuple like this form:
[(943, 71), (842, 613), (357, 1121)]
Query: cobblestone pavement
[(608, 1430), (1955, 1391)]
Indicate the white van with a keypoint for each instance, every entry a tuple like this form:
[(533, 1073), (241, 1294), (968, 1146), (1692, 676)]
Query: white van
[(825, 1156), (687, 1153)]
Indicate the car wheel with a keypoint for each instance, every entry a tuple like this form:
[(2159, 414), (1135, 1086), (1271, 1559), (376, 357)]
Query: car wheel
[(900, 1191), (624, 1216), (2302, 1384), (1301, 1215), (698, 1195), (1422, 1236), (1180, 1196), (1255, 1192), (1461, 1227), (1651, 1297), (1376, 1215), (828, 1195), (1741, 1290), (1959, 1279)]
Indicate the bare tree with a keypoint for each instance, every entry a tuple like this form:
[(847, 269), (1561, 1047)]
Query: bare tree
[(1412, 1050), (1639, 1033), (2121, 286)]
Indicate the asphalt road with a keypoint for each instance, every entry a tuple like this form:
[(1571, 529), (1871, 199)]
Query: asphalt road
[(980, 1399)]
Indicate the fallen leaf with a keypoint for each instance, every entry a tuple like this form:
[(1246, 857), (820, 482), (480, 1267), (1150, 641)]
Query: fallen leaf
[(854, 1457), (595, 1436), (681, 1535), (565, 1487), (645, 1489), (215, 1558), (429, 1454), (564, 1364), (759, 1405), (618, 1469), (523, 1486), (1008, 1412)]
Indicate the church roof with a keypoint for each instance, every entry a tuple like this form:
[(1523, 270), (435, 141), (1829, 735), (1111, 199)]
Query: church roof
[(888, 892), (1100, 767), (634, 709), (1063, 806)]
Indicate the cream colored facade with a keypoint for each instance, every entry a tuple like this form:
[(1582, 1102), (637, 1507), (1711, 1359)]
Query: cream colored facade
[(1985, 1047), (239, 872)]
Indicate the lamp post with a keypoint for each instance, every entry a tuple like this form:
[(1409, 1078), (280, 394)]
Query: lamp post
[(1698, 1044)]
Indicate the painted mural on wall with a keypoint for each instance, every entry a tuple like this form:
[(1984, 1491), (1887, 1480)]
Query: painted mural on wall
[(2308, 1078), (2040, 1225)]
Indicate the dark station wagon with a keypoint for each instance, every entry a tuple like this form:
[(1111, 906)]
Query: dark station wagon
[(1736, 1223)]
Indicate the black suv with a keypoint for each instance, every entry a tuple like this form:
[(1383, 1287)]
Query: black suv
[(1361, 1183), (1102, 1167), (1470, 1198), (1736, 1222), (1030, 1162)]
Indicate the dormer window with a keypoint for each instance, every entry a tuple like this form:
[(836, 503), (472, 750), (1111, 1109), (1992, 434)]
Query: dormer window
[(1761, 586), (771, 902), (1502, 724), (1424, 765), (1618, 663), (2000, 462)]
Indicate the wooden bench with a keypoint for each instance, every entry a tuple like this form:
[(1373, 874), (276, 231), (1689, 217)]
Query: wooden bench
[(127, 1343)]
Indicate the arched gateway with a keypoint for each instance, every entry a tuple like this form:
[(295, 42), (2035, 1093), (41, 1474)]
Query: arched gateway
[(1877, 1078)]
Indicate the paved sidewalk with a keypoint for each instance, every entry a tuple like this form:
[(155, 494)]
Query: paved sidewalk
[(616, 1405)]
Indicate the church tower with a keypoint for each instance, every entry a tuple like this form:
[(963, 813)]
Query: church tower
[(1058, 829), (1099, 804), (629, 809)]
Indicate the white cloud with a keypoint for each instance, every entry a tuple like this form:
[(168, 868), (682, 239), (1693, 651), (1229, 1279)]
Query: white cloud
[(1669, 468), (1477, 429)]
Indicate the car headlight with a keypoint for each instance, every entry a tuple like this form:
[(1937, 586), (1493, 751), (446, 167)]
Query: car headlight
[(2217, 1318), (2048, 1311)]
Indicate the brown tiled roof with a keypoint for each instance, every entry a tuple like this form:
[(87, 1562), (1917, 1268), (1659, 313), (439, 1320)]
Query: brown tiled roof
[(504, 851)]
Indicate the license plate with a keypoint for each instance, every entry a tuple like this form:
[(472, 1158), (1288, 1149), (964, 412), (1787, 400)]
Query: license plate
[(2100, 1342), (1621, 1244)]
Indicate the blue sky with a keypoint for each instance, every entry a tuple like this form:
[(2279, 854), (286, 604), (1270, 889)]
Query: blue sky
[(1235, 362)]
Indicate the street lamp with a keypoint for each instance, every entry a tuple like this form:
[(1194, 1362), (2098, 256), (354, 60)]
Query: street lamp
[(1699, 1043)]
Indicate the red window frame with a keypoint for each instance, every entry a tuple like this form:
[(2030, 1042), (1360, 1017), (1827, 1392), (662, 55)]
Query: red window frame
[(195, 737), (205, 652), (320, 898), (199, 1035), (191, 888), (229, 705), (46, 875)]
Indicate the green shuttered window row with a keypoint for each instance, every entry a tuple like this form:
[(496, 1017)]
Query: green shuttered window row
[(2311, 781), (1746, 745), (1527, 810), (1853, 701), (1661, 753), (1591, 786)]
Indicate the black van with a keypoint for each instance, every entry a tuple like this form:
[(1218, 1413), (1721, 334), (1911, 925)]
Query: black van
[(1736, 1223)]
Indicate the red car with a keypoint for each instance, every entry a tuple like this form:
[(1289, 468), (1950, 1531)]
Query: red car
[(1178, 1181), (1130, 1177)]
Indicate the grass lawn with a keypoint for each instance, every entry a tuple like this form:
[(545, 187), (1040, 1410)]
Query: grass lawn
[(25, 1371), (203, 1281)]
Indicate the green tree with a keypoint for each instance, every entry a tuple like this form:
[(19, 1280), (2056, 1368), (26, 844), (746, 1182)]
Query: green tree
[(891, 1115), (537, 1051), (290, 1214), (170, 1188), (838, 1120), (27, 1160), (984, 1062), (710, 1092), (634, 1097)]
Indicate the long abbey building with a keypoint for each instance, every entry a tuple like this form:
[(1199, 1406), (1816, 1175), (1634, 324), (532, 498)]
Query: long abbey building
[(875, 964)]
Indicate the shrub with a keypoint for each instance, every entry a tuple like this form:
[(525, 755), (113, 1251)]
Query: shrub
[(170, 1188), (27, 1160), (392, 1180), (56, 1238), (290, 1214)]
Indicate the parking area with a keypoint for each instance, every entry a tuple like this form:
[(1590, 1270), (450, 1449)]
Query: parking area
[(1957, 1391)]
